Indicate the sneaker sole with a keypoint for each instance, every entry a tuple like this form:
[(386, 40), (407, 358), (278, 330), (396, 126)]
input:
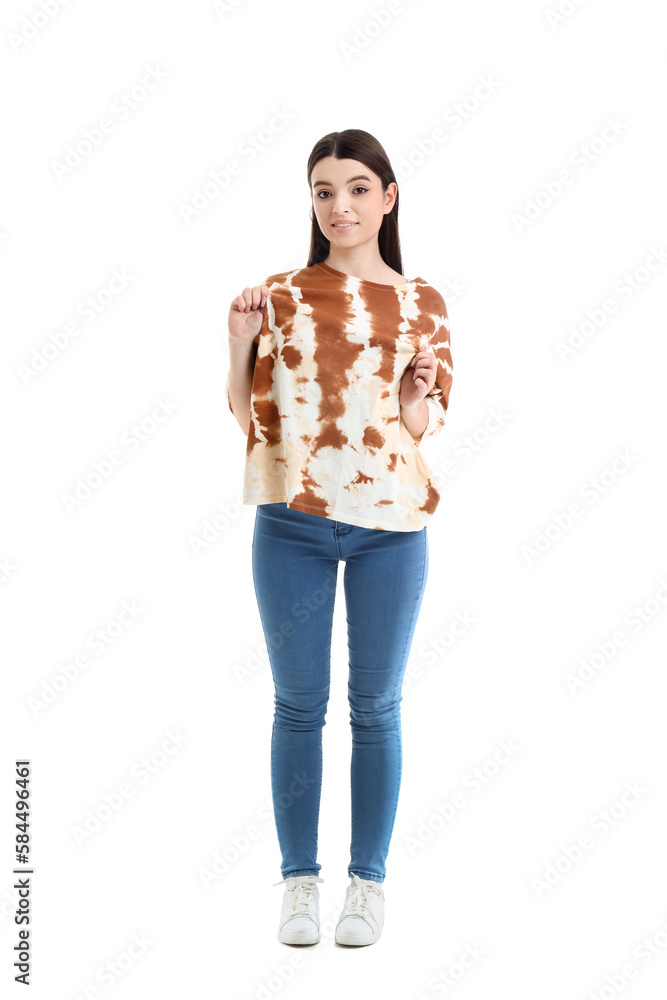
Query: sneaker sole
[(297, 939), (340, 939)]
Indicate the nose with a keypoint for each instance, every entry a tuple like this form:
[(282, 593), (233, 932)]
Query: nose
[(339, 203)]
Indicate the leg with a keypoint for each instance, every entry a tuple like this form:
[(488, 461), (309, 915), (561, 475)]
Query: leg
[(385, 578), (295, 567)]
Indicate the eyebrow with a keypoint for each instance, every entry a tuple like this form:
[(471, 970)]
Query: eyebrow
[(359, 177)]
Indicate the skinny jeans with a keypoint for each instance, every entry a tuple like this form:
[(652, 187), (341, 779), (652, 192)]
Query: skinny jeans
[(295, 558)]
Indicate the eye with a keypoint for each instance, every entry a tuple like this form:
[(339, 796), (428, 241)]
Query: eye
[(319, 193)]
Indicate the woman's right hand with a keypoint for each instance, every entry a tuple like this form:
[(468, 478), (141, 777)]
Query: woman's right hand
[(246, 313)]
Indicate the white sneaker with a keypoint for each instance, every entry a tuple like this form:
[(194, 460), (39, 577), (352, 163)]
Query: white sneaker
[(300, 915), (362, 918)]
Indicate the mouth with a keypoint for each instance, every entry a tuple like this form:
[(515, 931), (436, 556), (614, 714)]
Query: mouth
[(343, 227)]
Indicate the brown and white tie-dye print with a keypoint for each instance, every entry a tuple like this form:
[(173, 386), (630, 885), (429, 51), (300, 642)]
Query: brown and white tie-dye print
[(326, 434)]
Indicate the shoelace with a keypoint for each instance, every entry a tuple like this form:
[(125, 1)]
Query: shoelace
[(360, 897), (300, 890)]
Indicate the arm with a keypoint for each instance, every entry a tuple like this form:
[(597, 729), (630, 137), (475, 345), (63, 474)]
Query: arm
[(242, 354), (437, 400), (415, 418)]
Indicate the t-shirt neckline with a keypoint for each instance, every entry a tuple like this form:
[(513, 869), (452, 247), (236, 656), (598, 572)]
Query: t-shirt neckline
[(363, 281)]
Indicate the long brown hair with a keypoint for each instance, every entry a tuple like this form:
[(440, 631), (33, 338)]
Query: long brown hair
[(355, 144)]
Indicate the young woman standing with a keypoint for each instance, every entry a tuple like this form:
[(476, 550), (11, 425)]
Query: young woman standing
[(338, 371)]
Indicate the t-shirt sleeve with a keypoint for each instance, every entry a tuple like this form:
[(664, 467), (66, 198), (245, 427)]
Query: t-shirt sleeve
[(438, 398)]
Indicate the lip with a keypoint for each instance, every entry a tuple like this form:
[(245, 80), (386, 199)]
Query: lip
[(344, 225)]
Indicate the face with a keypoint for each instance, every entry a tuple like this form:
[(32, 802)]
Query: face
[(351, 192)]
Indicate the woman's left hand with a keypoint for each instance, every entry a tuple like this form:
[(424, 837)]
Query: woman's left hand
[(419, 377)]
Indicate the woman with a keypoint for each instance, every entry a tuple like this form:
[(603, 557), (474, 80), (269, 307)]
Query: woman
[(338, 371)]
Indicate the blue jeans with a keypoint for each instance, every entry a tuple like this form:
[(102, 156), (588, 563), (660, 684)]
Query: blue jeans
[(295, 560)]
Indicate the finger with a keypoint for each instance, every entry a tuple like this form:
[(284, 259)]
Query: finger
[(422, 357), (239, 303), (423, 376), (425, 364)]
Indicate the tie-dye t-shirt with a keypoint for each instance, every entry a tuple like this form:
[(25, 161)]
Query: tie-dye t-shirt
[(326, 434)]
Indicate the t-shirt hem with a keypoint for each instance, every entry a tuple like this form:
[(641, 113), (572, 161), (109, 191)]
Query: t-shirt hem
[(334, 515)]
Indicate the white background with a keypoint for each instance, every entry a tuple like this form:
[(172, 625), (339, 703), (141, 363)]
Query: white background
[(514, 292)]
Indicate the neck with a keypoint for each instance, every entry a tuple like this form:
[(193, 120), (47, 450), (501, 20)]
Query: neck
[(360, 262)]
